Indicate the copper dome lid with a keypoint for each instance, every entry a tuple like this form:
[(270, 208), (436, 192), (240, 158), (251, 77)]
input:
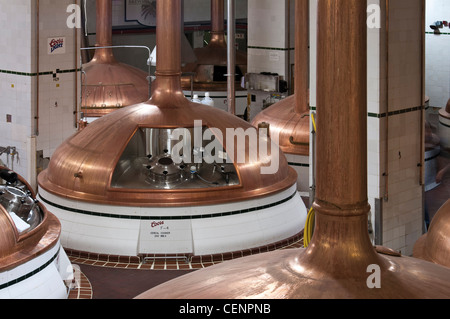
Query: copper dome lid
[(17, 247), (290, 117), (84, 167), (107, 83), (340, 262), (445, 112), (434, 246), (211, 65)]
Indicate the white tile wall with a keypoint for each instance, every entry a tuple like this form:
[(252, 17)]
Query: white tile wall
[(16, 26), (15, 90), (268, 28), (18, 91), (402, 212)]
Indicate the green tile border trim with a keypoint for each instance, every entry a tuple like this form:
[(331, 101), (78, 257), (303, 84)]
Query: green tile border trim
[(237, 212), (392, 113), (30, 274), (442, 33), (40, 73)]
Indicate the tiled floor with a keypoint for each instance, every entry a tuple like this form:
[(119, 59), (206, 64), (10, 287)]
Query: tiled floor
[(103, 279)]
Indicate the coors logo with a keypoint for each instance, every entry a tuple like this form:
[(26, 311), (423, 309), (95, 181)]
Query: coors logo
[(56, 45)]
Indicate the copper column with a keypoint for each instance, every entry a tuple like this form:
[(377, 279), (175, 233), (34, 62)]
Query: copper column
[(342, 136), (341, 201), (217, 21), (231, 58), (301, 56), (167, 85), (104, 32)]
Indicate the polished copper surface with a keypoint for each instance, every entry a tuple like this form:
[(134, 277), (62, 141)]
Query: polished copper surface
[(445, 112), (16, 249), (214, 54), (434, 246), (340, 262), (107, 83), (82, 167), (290, 117)]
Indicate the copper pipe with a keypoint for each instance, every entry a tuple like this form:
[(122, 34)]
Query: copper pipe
[(168, 36), (167, 85), (231, 48), (336, 195), (217, 19), (302, 56), (104, 31)]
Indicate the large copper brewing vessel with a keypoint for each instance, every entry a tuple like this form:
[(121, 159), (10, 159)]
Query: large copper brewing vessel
[(18, 247), (434, 246), (290, 117), (84, 167), (340, 262), (107, 83), (211, 66)]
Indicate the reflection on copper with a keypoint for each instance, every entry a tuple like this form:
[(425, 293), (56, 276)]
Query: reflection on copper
[(290, 117), (434, 246), (95, 151), (340, 262), (16, 248), (108, 84), (213, 58)]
